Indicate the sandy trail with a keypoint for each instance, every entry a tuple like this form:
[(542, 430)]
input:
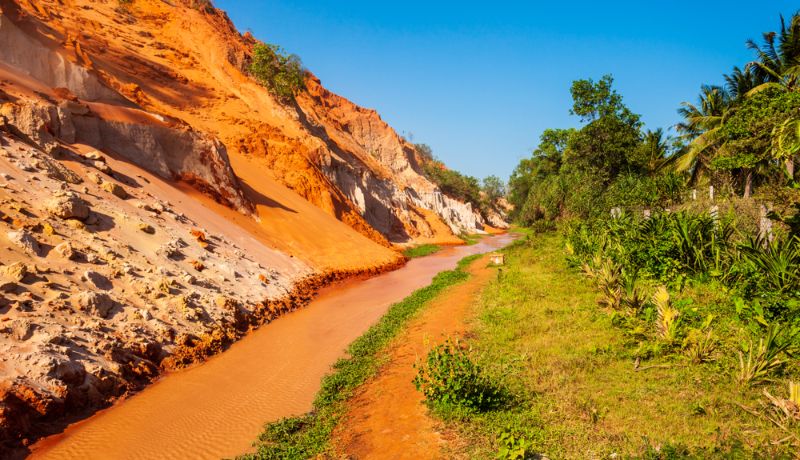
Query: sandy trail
[(387, 419)]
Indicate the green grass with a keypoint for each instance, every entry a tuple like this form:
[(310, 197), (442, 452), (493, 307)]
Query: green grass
[(309, 435), (569, 367), (470, 238), (421, 250)]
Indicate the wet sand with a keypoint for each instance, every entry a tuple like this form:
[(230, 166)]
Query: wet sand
[(218, 409)]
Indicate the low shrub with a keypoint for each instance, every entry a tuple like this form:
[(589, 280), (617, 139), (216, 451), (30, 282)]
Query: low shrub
[(451, 378), (281, 73)]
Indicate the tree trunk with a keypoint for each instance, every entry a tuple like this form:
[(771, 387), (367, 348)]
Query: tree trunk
[(790, 167), (748, 183)]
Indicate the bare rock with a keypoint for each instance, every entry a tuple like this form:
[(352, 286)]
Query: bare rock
[(67, 206), (102, 166), (66, 251), (94, 177), (147, 228), (115, 189), (14, 272), (26, 241), (71, 372), (98, 280), (99, 304), (94, 155), (21, 329)]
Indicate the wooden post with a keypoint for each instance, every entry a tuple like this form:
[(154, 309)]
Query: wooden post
[(694, 194), (711, 192)]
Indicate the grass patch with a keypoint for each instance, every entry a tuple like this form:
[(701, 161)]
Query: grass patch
[(470, 238), (571, 370), (421, 250), (309, 435)]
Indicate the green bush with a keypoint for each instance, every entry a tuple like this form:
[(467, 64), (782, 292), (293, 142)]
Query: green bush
[(450, 378), (283, 74)]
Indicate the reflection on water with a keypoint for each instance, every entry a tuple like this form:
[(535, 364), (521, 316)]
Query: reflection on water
[(218, 409)]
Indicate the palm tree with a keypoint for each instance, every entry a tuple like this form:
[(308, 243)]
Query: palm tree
[(778, 59), (741, 82), (701, 128), (656, 151), (778, 64)]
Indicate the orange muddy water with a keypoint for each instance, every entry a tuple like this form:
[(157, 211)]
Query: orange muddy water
[(217, 409)]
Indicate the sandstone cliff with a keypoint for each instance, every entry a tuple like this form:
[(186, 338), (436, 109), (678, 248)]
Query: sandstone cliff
[(156, 203)]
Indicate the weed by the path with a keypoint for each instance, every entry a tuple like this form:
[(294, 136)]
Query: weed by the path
[(451, 380)]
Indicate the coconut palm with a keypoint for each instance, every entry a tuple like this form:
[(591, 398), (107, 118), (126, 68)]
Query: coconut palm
[(656, 151), (778, 58), (701, 127), (778, 64), (741, 82)]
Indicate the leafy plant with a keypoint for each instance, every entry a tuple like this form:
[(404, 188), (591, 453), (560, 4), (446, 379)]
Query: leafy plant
[(700, 345), (514, 447), (764, 359), (634, 297), (281, 73), (668, 316), (450, 377)]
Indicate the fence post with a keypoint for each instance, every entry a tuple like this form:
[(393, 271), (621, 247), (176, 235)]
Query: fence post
[(714, 212), (764, 225), (711, 192)]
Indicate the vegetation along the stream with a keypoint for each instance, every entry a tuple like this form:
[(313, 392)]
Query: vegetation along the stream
[(653, 310)]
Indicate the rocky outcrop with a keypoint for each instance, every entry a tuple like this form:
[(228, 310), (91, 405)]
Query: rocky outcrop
[(93, 307), (114, 270)]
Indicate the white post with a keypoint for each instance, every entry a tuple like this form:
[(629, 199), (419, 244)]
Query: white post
[(711, 192), (714, 211), (764, 225)]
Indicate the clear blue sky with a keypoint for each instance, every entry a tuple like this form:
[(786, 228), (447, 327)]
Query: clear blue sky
[(480, 81)]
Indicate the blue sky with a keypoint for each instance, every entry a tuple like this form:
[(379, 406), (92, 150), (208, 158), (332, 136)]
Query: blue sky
[(480, 81)]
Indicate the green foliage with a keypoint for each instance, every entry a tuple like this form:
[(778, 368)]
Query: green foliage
[(421, 250), (493, 189), (759, 363), (667, 247), (747, 129), (468, 189), (308, 435), (514, 447), (281, 73), (451, 378), (454, 184), (768, 272)]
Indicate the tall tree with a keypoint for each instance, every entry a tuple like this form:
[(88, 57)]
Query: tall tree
[(612, 134)]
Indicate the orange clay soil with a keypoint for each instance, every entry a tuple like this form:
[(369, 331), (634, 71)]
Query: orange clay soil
[(387, 418), (295, 226)]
